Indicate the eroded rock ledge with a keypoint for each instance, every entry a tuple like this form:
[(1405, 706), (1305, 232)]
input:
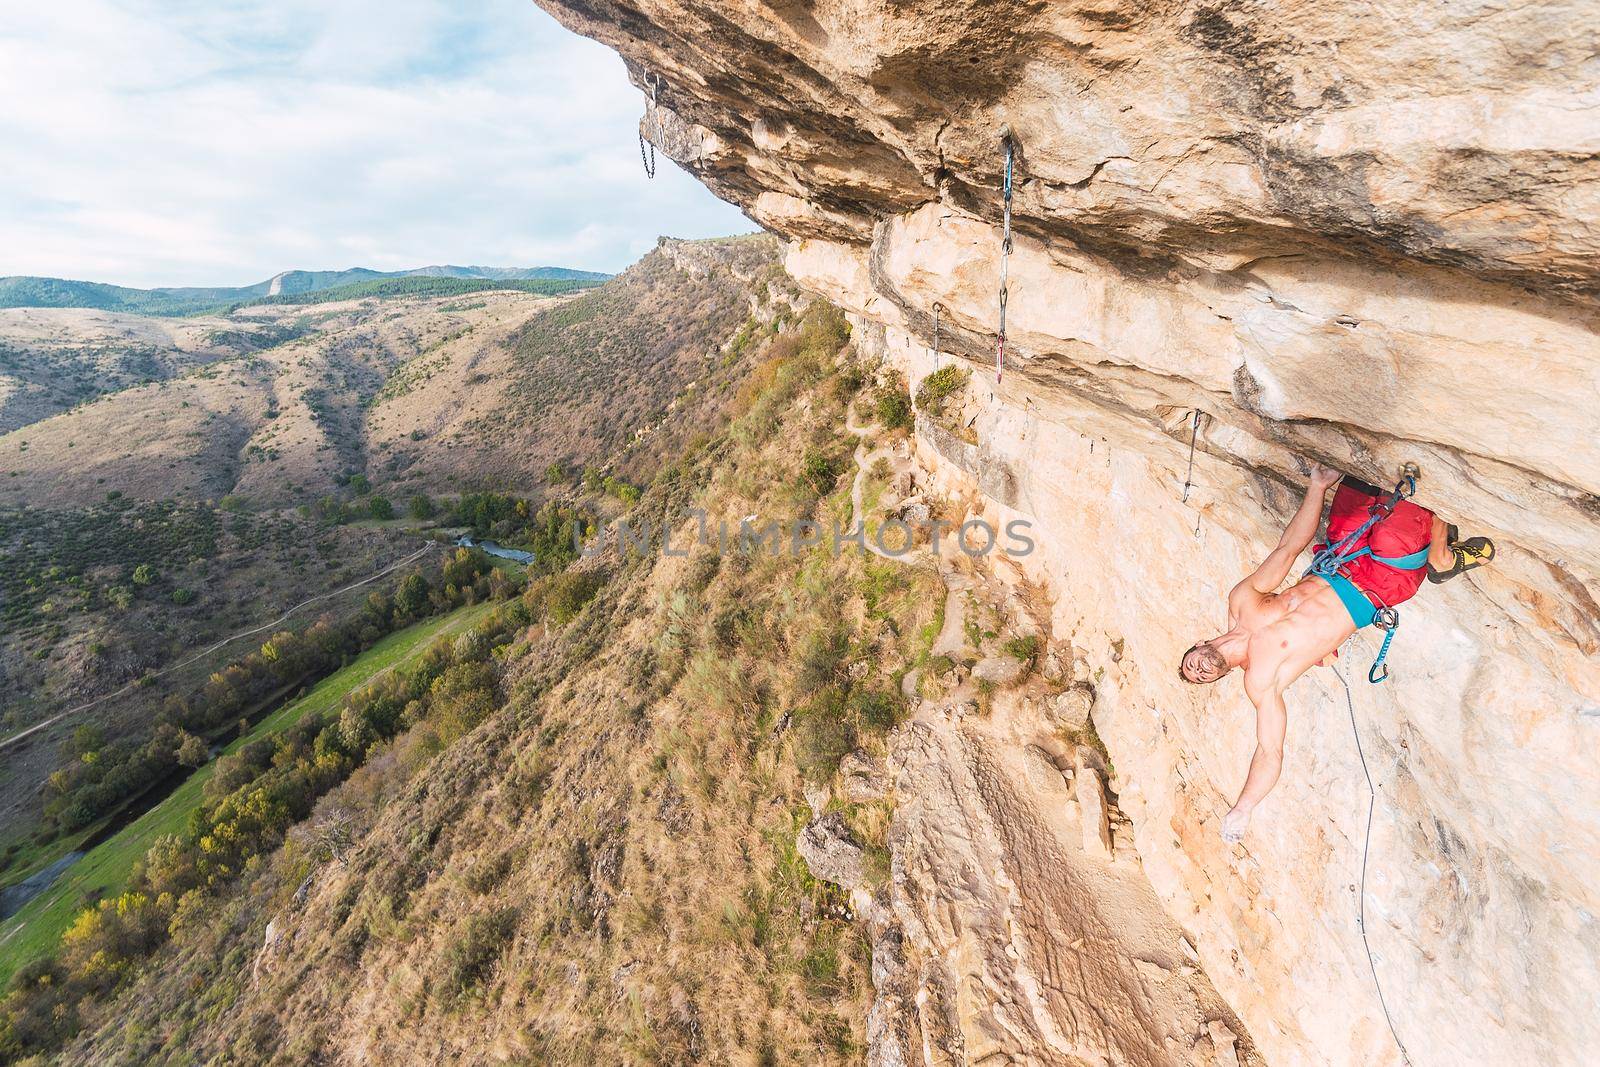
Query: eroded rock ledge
[(1364, 236)]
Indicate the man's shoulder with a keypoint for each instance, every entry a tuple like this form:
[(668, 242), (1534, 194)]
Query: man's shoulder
[(1245, 598)]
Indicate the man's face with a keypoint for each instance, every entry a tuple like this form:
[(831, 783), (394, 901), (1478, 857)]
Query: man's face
[(1202, 664)]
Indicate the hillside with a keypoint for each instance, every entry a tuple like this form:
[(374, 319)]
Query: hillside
[(237, 465), (22, 291), (671, 834)]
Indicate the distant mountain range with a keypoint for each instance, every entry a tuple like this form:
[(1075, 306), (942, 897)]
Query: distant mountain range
[(26, 291)]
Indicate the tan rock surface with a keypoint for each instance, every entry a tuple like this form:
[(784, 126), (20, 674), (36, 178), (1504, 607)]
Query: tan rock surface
[(1363, 236)]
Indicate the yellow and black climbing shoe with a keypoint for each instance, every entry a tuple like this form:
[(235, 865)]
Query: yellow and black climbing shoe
[(1468, 555)]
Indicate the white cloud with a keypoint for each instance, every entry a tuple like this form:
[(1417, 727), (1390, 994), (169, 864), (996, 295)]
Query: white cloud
[(212, 142)]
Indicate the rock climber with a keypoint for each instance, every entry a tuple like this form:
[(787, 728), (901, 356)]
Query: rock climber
[(1277, 637)]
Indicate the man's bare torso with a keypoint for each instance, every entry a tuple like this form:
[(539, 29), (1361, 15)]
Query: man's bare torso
[(1290, 632)]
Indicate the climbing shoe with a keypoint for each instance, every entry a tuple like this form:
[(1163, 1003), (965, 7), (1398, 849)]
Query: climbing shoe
[(1467, 555)]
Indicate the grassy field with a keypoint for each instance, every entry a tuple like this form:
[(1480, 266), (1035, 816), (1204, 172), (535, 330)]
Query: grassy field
[(35, 929)]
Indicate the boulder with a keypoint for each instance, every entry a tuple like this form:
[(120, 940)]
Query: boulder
[(999, 670), (1040, 770), (831, 852), (1091, 795), (862, 778), (1070, 709)]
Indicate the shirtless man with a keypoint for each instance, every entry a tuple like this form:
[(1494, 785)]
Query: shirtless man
[(1277, 637)]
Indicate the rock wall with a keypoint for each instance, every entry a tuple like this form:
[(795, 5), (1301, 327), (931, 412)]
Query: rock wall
[(1361, 235)]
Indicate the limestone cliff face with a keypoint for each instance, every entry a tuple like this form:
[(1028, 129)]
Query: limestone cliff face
[(1365, 235)]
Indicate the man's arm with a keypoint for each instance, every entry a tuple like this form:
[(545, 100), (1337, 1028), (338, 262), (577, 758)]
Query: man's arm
[(1296, 536), (1272, 720)]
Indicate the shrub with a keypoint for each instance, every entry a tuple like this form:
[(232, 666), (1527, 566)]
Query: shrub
[(894, 408), (821, 656), (1023, 648), (482, 941), (567, 593), (181, 597), (822, 736), (144, 574), (877, 709), (817, 471), (939, 387), (380, 508), (420, 507)]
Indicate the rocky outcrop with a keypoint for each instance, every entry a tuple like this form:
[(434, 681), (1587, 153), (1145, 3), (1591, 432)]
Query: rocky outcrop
[(1270, 231)]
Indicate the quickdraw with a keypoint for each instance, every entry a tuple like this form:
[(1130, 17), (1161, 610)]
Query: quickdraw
[(1194, 436), (647, 149), (1005, 257), (938, 309), (1388, 620)]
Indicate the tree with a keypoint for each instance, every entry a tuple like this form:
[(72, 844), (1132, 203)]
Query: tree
[(144, 574), (412, 597), (181, 597), (380, 508), (421, 507), (192, 752), (359, 484), (555, 474)]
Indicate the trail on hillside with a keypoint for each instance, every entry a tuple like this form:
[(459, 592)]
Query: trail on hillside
[(14, 738)]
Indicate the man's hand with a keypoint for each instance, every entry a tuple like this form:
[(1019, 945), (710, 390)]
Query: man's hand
[(1322, 477), (1234, 823)]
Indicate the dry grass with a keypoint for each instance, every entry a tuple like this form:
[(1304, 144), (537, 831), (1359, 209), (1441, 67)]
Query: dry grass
[(604, 871)]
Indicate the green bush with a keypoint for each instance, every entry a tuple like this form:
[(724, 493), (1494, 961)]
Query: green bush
[(894, 408), (420, 507), (1023, 648), (877, 709), (939, 387), (470, 958), (818, 472), (380, 508), (823, 735), (567, 593), (181, 597)]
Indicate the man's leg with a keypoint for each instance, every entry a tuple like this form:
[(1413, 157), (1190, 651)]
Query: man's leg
[(1440, 558)]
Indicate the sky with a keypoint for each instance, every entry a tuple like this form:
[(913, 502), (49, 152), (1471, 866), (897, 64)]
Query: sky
[(218, 142)]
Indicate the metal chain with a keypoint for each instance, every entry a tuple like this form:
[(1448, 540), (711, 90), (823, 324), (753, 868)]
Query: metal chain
[(1366, 848), (647, 149), (1005, 258)]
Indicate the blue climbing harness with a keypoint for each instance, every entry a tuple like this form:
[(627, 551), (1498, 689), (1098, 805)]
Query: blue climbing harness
[(1330, 560)]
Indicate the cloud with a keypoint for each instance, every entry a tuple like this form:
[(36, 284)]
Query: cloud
[(156, 142)]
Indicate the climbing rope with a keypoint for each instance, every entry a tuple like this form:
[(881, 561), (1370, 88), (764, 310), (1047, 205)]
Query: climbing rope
[(1005, 263), (647, 149), (937, 308), (1366, 849)]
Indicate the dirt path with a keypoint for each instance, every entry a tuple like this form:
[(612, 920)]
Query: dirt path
[(141, 680)]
